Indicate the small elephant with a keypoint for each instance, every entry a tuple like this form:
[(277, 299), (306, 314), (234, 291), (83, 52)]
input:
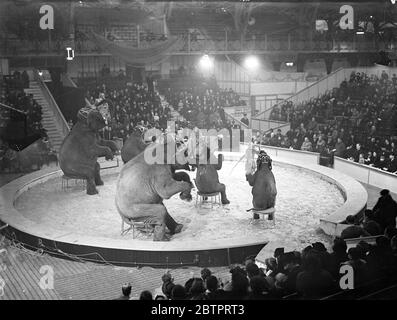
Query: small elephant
[(264, 189), (35, 155), (207, 180), (133, 146), (82, 146), (141, 189)]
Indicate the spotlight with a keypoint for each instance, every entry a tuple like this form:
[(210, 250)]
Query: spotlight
[(289, 64), (206, 62), (251, 63), (393, 1), (40, 73), (360, 32)]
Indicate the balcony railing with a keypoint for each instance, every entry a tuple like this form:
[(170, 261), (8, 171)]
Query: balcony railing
[(12, 47)]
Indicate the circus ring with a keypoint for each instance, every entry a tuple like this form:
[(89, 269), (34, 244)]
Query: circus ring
[(54, 238)]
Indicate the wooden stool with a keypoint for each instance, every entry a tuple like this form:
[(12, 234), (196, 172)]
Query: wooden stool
[(65, 181), (270, 213), (135, 226), (213, 198)]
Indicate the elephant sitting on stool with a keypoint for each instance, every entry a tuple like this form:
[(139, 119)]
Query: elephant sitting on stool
[(207, 180), (142, 187), (82, 146), (263, 184)]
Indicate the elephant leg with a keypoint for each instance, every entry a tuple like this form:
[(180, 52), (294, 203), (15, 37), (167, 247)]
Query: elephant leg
[(222, 189), (91, 189), (97, 175)]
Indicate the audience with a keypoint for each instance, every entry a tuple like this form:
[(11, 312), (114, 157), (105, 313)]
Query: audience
[(312, 273), (203, 107), (353, 230), (356, 121)]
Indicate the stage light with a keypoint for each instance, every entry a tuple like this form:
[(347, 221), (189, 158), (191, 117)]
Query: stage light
[(40, 73), (393, 1), (251, 63), (289, 64), (206, 62)]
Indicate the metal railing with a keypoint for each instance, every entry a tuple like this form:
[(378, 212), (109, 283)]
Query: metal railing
[(237, 121), (14, 46), (11, 108), (60, 120)]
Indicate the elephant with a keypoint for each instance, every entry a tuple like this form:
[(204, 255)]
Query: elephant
[(142, 187), (264, 189), (30, 158), (136, 145), (82, 146), (207, 180), (133, 146)]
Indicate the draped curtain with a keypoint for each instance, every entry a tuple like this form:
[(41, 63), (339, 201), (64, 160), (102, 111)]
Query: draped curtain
[(138, 56)]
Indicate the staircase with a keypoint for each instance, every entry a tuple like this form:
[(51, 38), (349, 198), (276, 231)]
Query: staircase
[(48, 120)]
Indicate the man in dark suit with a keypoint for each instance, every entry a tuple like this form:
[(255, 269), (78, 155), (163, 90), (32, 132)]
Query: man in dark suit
[(385, 210)]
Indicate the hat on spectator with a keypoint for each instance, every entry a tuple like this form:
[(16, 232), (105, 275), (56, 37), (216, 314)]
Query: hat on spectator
[(384, 192)]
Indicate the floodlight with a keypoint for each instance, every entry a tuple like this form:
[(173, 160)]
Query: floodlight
[(251, 63)]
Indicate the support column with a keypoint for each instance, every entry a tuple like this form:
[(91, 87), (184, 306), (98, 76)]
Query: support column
[(328, 63), (138, 36)]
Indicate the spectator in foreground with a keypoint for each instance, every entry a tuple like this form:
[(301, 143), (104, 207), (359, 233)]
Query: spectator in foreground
[(314, 282), (370, 225), (353, 230), (259, 290), (205, 273), (197, 290), (385, 210), (146, 295), (338, 256), (168, 284), (359, 266), (126, 292), (178, 292), (239, 285), (213, 290)]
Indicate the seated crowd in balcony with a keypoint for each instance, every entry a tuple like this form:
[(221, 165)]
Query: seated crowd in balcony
[(130, 106), (204, 106), (140, 105), (356, 121)]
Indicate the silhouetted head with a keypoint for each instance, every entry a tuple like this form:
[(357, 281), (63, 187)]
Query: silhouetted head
[(146, 295), (212, 283), (178, 292), (126, 289)]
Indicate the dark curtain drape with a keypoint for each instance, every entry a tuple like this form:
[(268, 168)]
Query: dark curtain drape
[(137, 56)]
